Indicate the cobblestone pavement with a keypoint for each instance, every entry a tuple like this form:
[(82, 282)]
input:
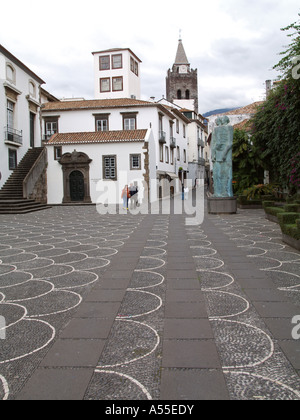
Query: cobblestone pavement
[(123, 307)]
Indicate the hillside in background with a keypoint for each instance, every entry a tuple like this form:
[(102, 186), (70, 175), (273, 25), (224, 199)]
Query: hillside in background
[(219, 111)]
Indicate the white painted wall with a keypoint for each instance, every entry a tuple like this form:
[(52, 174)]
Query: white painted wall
[(148, 117), (21, 114), (131, 81), (100, 190)]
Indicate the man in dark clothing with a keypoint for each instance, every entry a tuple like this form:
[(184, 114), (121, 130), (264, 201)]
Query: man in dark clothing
[(133, 191)]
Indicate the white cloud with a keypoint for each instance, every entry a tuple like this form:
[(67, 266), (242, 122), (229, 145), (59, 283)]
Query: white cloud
[(233, 43)]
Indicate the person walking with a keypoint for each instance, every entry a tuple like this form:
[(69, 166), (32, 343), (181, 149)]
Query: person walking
[(125, 196), (133, 191)]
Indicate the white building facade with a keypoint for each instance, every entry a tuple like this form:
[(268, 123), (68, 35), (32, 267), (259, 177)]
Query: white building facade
[(158, 157), (116, 74), (20, 119)]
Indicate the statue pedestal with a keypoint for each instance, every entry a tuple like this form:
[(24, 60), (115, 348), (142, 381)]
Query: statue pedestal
[(223, 205)]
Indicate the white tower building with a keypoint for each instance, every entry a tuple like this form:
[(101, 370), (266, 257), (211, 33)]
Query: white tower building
[(117, 74)]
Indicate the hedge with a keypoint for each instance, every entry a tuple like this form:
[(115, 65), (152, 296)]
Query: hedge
[(274, 211), (290, 224), (288, 218), (291, 208)]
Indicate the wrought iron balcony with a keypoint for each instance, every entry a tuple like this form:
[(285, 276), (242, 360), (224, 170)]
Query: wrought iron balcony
[(162, 137), (172, 142), (201, 142), (201, 161), (12, 135)]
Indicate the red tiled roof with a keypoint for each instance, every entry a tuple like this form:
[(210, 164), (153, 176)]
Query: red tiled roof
[(94, 104), (244, 125), (98, 137), (249, 109)]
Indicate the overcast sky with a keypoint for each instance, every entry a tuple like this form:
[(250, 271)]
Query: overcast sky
[(233, 43)]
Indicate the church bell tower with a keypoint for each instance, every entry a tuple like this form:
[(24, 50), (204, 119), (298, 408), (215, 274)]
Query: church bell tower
[(182, 82)]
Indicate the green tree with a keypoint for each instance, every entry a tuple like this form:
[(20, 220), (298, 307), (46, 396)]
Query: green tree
[(276, 125), (289, 60)]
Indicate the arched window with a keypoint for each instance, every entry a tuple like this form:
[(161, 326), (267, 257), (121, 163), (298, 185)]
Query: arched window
[(187, 94), (10, 73), (32, 89), (179, 94)]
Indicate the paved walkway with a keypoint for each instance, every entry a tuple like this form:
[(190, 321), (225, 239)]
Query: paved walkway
[(143, 307)]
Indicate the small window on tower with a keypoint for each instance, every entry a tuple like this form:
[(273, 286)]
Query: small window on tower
[(117, 61), (179, 94), (104, 62)]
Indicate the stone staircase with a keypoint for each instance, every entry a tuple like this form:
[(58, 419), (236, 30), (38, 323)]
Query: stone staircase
[(11, 194)]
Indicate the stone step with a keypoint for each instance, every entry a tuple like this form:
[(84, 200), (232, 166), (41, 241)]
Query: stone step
[(21, 206)]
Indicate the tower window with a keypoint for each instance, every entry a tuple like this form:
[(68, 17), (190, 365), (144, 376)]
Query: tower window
[(187, 94), (179, 94), (117, 61), (104, 62)]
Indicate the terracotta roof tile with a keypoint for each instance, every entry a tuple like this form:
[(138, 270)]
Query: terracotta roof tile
[(244, 125), (98, 137), (249, 109), (94, 104)]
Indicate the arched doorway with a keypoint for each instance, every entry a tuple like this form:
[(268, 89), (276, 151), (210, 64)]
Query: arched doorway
[(76, 177), (76, 186)]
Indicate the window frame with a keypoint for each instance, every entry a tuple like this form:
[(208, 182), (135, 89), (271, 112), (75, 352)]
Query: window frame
[(12, 153), (12, 78), (51, 131), (104, 67), (32, 88), (161, 153), (130, 117), (167, 155), (120, 79), (10, 113), (107, 79), (57, 152), (101, 119), (113, 66), (132, 167)]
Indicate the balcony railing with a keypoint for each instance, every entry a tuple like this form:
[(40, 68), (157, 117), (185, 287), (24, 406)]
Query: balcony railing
[(172, 142), (201, 142), (201, 161), (12, 135), (162, 137)]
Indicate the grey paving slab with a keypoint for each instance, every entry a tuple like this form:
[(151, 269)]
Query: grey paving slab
[(280, 328), (98, 310), (74, 353), (176, 274), (292, 350), (276, 309), (57, 385), (266, 295), (200, 354), (183, 283), (190, 384), (184, 295), (187, 328), (128, 307), (185, 310), (87, 328)]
